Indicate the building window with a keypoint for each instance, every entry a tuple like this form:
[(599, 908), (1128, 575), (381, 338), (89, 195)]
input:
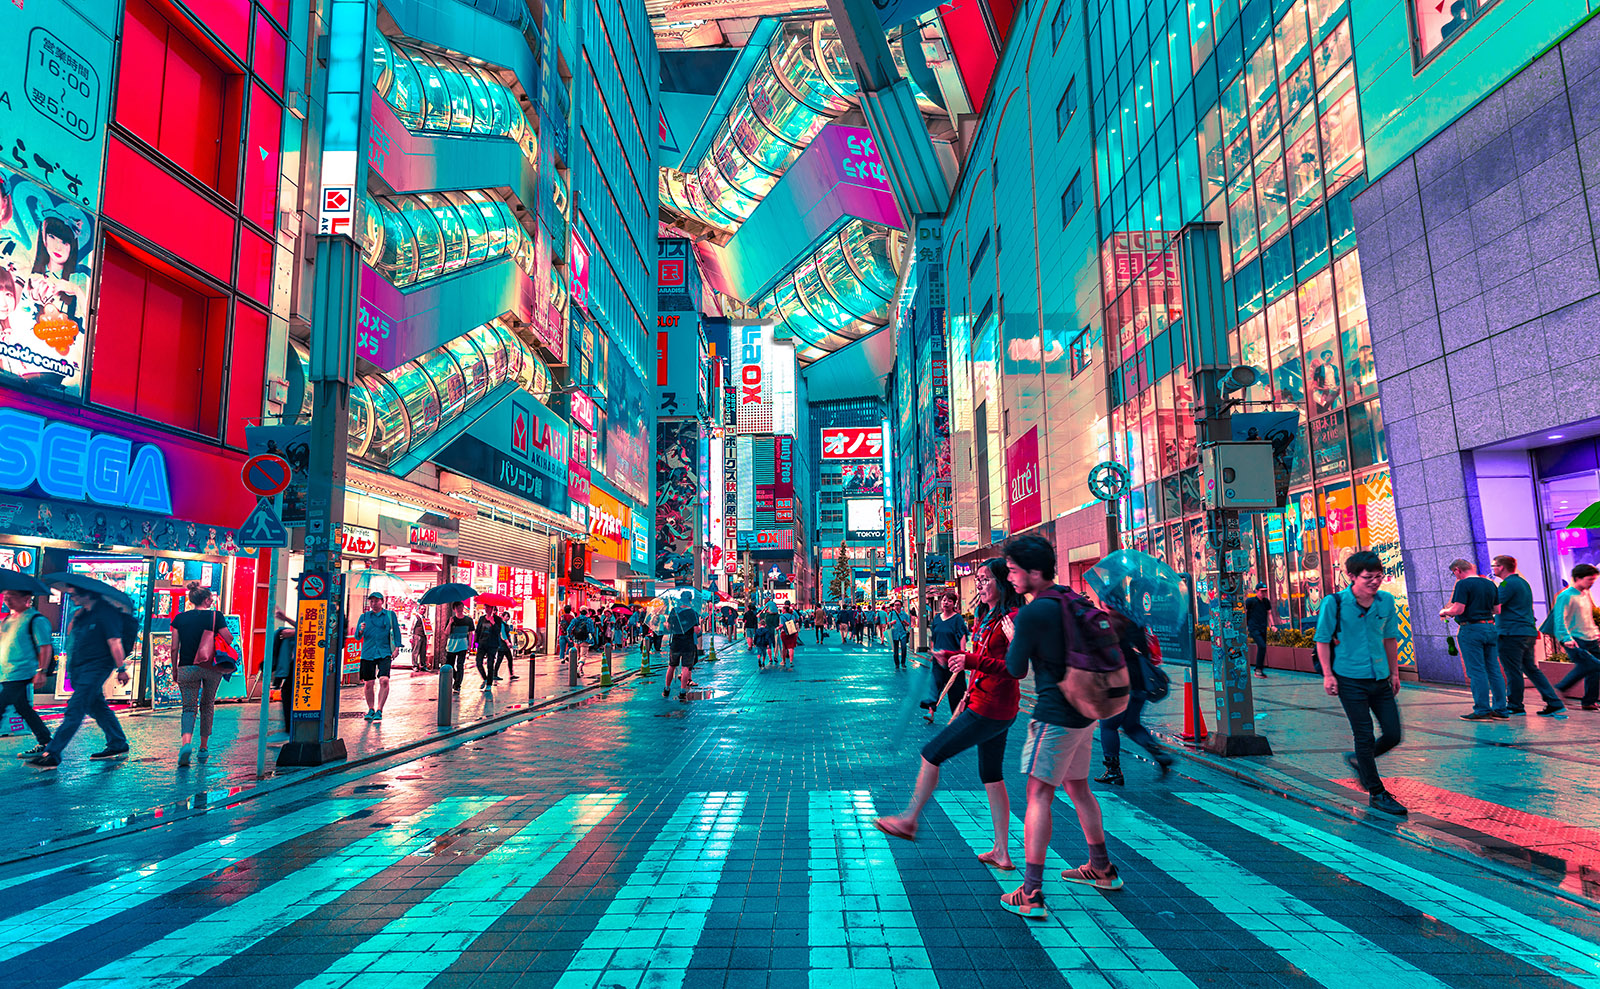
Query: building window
[(1058, 23), (978, 255), (1071, 198), (1067, 107), (1081, 352), (1435, 24)]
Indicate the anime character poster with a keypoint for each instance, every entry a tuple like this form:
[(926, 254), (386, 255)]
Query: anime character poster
[(677, 498), (862, 478), (46, 253)]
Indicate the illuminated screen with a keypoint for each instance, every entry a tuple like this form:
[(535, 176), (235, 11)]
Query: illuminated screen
[(864, 518)]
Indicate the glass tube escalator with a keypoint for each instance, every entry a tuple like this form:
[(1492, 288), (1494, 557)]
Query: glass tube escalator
[(840, 293), (432, 92), (392, 413), (417, 237)]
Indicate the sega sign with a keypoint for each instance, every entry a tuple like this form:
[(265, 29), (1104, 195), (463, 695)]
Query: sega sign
[(852, 442), (74, 463)]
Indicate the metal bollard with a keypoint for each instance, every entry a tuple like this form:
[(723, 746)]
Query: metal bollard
[(447, 675)]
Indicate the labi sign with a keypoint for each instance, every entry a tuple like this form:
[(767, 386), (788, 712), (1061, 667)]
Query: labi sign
[(520, 447)]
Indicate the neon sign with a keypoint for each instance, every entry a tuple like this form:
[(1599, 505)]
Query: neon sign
[(77, 464), (861, 160), (750, 373)]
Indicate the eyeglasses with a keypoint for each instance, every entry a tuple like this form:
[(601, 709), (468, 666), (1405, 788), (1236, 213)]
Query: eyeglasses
[(1370, 576)]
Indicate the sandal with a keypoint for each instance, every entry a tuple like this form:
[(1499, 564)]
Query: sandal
[(894, 832), (988, 858)]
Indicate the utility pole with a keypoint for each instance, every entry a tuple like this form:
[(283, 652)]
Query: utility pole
[(1206, 323), (340, 104)]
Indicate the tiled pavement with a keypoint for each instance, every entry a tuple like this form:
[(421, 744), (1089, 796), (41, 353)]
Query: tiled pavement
[(85, 796), (725, 842), (1524, 792)]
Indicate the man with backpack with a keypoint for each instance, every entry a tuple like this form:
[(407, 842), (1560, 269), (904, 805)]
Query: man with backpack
[(1358, 642), (580, 633), (1079, 675), (26, 651), (682, 621)]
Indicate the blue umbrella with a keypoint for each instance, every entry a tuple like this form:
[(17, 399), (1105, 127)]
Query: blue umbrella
[(447, 594), (1150, 593), (13, 580), (80, 582)]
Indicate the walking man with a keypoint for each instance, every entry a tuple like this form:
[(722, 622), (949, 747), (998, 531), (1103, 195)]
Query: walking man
[(1517, 633), (379, 632), (949, 633), (681, 623), (1473, 606), (25, 655), (900, 634), (1257, 619), (1575, 629), (1358, 641), (94, 652), (1060, 738)]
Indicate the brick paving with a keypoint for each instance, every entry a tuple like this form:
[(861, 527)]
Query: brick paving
[(725, 841)]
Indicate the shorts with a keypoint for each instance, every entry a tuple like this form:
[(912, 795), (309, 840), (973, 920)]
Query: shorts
[(966, 731), (372, 669), (1056, 754)]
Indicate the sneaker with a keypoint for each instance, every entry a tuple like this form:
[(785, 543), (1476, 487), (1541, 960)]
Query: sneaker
[(1516, 710), (30, 753), (1552, 711), (367, 716), (683, 695), (185, 752), (1500, 715), (1025, 906), (667, 692), (1388, 804), (1591, 707), (376, 716), (1092, 877), (204, 755), (44, 761), (107, 755), (1478, 716)]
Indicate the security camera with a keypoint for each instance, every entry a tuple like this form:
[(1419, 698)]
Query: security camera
[(1238, 378)]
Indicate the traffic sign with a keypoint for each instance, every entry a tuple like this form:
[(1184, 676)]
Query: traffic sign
[(265, 475), (263, 528)]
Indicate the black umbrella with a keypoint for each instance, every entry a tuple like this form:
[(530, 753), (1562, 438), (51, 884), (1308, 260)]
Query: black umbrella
[(12, 580), (447, 594), (100, 587)]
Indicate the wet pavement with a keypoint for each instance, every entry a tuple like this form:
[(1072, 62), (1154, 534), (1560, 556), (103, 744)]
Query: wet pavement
[(725, 841), (84, 797), (1524, 792)]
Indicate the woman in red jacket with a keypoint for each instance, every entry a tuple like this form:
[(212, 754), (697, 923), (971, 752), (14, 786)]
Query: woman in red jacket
[(990, 706)]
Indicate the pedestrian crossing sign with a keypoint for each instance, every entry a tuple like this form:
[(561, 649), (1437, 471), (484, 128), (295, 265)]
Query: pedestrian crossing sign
[(263, 528)]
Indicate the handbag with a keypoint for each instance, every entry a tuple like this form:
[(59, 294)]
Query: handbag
[(205, 654)]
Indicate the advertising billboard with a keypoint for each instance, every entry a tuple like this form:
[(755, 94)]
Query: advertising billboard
[(852, 442), (520, 447), (627, 446), (1022, 481), (863, 518), (46, 260), (578, 272), (861, 478), (764, 372), (677, 498), (610, 525)]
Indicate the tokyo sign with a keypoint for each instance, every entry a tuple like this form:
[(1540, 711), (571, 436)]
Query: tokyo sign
[(852, 443)]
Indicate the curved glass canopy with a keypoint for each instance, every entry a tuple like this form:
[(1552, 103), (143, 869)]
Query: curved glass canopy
[(393, 412), (801, 83), (417, 237), (432, 91), (840, 293)]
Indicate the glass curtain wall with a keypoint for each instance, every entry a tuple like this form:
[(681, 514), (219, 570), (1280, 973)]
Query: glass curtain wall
[(411, 239)]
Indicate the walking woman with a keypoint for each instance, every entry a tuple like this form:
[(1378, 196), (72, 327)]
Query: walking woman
[(457, 640), (197, 637), (1136, 648), (992, 699), (789, 635)]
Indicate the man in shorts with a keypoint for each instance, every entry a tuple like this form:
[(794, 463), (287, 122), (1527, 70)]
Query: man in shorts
[(681, 623), (379, 632), (1060, 739)]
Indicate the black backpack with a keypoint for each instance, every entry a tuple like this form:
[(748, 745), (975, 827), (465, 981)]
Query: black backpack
[(130, 631)]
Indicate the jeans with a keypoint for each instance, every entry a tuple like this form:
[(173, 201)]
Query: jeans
[(458, 667), (900, 651), (1363, 700), (14, 695), (1479, 643), (198, 686), (1127, 723), (1259, 637), (1516, 658), (1585, 666), (89, 699)]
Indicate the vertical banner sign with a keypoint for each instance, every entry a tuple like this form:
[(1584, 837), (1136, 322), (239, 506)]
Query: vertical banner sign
[(1022, 481), (578, 272), (348, 57), (310, 646), (677, 497)]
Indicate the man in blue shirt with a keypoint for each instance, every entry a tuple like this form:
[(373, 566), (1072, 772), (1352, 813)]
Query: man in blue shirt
[(1514, 621), (379, 632), (1358, 642)]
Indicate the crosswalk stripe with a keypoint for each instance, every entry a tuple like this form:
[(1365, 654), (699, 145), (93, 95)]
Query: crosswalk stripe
[(23, 880), (648, 933), (430, 936), (1085, 935), (1307, 938), (67, 915), (860, 926), (192, 950), (1566, 956)]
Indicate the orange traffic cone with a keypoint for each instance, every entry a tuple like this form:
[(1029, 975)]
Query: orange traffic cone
[(1190, 710)]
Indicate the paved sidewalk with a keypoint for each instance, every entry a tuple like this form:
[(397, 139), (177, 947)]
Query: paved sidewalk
[(1523, 792), (84, 796)]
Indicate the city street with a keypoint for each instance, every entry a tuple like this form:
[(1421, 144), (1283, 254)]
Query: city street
[(726, 841)]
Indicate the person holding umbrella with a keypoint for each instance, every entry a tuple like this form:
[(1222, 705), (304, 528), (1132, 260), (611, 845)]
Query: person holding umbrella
[(95, 650), (457, 628), (25, 654)]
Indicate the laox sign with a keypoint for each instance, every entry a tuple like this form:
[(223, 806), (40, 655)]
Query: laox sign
[(750, 373)]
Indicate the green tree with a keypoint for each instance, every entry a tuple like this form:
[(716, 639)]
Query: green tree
[(843, 582)]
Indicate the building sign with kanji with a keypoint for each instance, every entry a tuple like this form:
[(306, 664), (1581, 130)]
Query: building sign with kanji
[(852, 442)]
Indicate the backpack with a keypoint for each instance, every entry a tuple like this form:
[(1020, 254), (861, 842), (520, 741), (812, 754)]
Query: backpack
[(681, 621), (578, 631), (1096, 681), (130, 631), (1157, 685)]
